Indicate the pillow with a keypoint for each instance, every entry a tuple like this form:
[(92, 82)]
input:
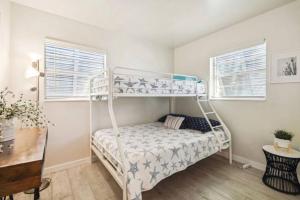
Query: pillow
[(173, 122), (183, 125), (200, 124)]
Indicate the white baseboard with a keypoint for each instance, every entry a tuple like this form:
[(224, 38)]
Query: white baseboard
[(244, 160), (66, 165)]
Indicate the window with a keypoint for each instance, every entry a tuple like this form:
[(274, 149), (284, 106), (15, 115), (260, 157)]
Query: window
[(239, 75), (68, 69)]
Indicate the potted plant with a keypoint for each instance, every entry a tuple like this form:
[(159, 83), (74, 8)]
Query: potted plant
[(12, 109), (283, 138)]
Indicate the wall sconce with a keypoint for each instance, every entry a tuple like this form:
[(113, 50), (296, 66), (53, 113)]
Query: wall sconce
[(34, 72)]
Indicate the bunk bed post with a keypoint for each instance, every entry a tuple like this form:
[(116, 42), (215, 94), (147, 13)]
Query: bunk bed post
[(92, 157), (116, 131)]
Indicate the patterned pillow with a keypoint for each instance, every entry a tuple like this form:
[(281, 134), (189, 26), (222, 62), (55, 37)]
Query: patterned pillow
[(173, 122), (200, 124), (183, 125)]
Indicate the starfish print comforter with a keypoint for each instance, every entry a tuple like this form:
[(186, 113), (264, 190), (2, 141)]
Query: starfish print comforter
[(154, 152)]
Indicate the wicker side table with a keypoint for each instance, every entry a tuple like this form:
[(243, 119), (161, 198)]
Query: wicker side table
[(281, 170)]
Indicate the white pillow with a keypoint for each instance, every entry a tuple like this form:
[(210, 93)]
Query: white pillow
[(173, 122)]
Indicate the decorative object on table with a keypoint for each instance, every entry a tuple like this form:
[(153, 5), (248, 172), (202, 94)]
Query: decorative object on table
[(12, 108), (286, 68), (281, 170), (283, 139)]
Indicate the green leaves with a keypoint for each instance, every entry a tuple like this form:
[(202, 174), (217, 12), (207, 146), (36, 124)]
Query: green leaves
[(282, 134), (28, 112)]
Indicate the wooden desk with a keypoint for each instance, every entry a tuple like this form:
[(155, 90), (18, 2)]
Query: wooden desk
[(21, 166)]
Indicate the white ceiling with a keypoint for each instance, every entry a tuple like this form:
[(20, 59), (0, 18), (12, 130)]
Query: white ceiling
[(170, 22)]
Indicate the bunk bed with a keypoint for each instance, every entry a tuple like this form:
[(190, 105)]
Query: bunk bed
[(140, 156)]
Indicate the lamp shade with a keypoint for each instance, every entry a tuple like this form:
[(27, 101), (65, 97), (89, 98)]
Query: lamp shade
[(31, 72)]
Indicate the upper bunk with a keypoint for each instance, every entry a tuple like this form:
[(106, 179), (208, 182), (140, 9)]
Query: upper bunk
[(129, 82)]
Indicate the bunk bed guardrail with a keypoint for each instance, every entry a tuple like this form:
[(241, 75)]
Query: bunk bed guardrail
[(138, 83)]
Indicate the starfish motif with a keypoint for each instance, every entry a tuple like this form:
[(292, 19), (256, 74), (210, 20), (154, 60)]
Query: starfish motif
[(175, 152), (130, 85), (153, 86), (181, 163), (174, 166), (133, 168), (197, 153), (143, 82), (158, 158), (137, 197), (147, 164), (154, 175), (118, 80), (164, 166)]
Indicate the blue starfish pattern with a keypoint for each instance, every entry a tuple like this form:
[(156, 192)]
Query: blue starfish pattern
[(147, 164), (130, 85), (133, 168), (143, 82), (137, 197), (154, 175), (118, 80), (164, 166), (175, 152), (181, 163)]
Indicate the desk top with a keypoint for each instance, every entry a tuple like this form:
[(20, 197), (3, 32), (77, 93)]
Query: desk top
[(28, 146), (292, 154)]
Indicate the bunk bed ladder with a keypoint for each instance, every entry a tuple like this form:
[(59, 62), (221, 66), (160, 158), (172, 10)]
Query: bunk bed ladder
[(117, 134), (212, 112)]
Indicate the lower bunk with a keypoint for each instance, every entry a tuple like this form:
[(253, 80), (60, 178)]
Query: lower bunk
[(152, 153)]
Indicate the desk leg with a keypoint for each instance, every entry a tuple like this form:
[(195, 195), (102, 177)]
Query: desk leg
[(36, 193)]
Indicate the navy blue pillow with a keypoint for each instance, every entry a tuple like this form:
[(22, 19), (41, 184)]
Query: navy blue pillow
[(200, 124), (182, 126)]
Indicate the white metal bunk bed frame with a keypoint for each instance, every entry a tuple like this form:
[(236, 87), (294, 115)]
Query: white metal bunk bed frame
[(120, 176)]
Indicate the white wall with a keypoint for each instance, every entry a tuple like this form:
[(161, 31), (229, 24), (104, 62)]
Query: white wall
[(4, 42), (69, 139), (251, 122)]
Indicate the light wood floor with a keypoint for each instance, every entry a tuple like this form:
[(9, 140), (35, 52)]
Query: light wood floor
[(209, 179)]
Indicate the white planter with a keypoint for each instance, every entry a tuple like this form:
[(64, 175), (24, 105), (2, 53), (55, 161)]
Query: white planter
[(7, 130), (282, 143)]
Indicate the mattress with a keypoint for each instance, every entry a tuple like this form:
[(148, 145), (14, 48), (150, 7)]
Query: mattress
[(153, 152), (141, 85)]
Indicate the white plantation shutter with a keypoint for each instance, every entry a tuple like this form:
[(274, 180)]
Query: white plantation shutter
[(68, 70), (239, 74)]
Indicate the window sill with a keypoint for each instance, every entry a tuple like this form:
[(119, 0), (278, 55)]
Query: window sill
[(238, 99), (67, 100)]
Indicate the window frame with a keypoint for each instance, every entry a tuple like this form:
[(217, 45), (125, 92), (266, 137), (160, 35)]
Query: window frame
[(67, 44), (236, 98)]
